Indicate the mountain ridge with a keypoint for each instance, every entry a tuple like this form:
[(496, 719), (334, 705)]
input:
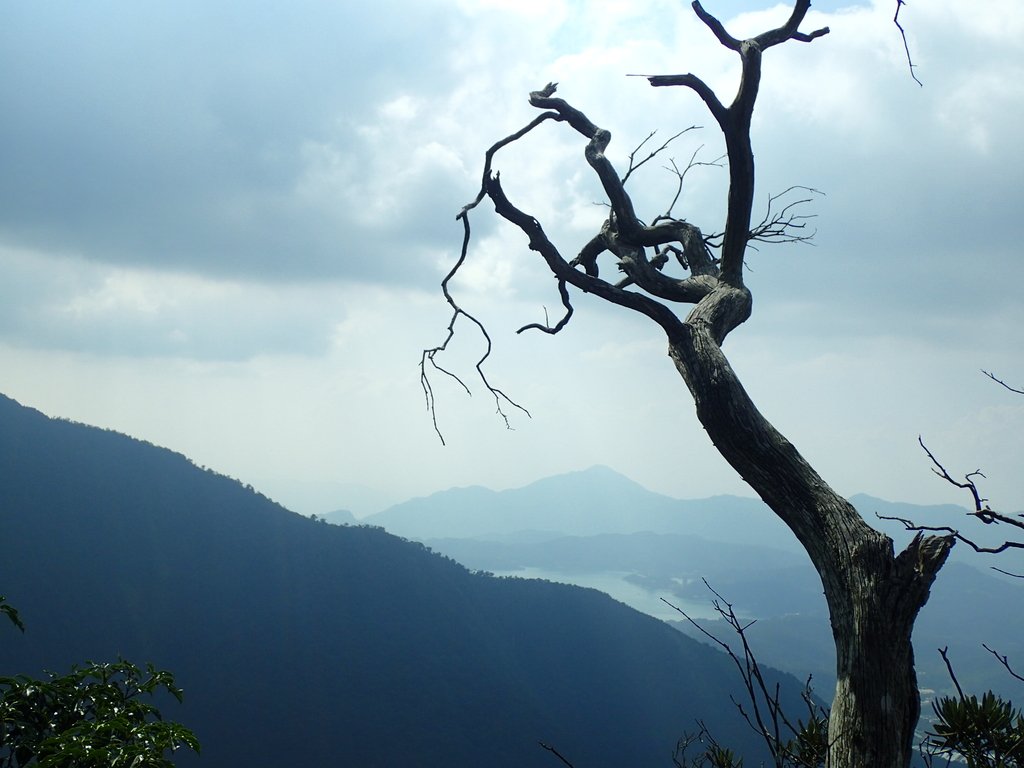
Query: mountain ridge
[(331, 644), (605, 502), (560, 505)]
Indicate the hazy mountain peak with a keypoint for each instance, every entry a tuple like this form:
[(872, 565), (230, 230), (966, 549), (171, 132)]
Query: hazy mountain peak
[(598, 478)]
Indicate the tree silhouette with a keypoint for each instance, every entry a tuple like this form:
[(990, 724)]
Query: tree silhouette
[(873, 593)]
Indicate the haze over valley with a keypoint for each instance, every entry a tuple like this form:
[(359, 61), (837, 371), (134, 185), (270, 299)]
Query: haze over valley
[(286, 630)]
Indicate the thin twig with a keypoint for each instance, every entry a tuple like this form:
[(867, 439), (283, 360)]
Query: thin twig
[(968, 483), (1003, 383), (1001, 658), (785, 226), (556, 753), (906, 46), (1008, 573), (981, 512), (632, 155), (769, 718), (910, 525), (681, 175), (952, 674), (430, 355)]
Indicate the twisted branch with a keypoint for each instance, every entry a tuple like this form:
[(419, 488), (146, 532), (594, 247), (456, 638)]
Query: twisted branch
[(430, 355), (624, 236), (981, 512), (734, 121)]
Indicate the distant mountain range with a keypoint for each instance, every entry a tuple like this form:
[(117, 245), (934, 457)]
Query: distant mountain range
[(303, 643), (601, 501), (348, 645), (573, 526), (592, 501)]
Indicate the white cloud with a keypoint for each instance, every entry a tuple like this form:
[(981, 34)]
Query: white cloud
[(143, 313), (137, 293), (278, 200), (535, 10)]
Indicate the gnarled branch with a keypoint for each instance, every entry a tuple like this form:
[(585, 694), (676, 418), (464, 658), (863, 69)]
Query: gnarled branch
[(735, 123), (564, 295), (429, 356)]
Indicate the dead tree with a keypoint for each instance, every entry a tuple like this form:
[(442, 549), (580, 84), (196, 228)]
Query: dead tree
[(981, 512), (873, 594)]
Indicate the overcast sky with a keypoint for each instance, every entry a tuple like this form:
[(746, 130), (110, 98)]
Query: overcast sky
[(223, 225)]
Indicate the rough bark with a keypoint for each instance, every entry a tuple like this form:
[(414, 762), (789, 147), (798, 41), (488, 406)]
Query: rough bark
[(873, 594)]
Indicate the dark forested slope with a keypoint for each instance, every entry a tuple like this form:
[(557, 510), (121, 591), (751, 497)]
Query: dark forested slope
[(303, 643)]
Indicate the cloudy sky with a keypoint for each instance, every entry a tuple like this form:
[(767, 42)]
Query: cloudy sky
[(223, 225)]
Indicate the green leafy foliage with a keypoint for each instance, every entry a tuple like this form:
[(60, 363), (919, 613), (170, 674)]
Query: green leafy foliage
[(710, 754), (11, 613), (809, 747), (985, 734), (98, 715)]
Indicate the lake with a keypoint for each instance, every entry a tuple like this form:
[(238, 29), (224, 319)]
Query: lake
[(617, 585)]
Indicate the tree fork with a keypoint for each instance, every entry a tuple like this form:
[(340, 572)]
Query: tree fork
[(873, 594)]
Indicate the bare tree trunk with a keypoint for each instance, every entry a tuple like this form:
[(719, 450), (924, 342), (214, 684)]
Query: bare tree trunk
[(873, 595), (876, 705)]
